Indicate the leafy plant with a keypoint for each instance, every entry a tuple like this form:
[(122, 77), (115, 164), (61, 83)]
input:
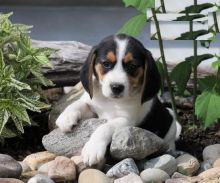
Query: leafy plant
[(21, 77)]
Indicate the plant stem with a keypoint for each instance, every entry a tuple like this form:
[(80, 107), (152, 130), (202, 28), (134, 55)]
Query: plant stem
[(164, 62), (194, 65), (195, 3), (163, 6), (215, 21)]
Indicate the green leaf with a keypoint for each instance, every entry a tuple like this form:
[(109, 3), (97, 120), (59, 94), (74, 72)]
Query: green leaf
[(207, 107), (140, 5), (198, 8), (8, 133), (199, 58), (18, 123), (189, 17), (19, 85), (42, 59), (216, 64), (207, 83), (4, 116), (192, 35), (2, 63), (41, 78), (134, 26), (181, 75)]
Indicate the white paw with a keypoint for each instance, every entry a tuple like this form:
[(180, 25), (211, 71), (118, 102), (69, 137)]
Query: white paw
[(93, 153), (67, 120)]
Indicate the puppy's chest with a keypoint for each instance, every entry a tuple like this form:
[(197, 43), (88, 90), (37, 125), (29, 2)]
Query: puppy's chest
[(108, 109)]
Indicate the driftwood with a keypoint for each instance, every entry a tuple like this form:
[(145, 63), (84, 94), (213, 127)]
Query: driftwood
[(67, 62)]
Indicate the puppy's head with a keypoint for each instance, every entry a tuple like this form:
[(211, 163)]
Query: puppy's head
[(122, 67)]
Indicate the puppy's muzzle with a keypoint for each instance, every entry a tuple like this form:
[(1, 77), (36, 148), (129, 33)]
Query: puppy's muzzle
[(117, 89)]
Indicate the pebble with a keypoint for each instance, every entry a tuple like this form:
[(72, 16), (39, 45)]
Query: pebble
[(45, 167), (9, 167), (62, 168), (130, 178), (210, 173), (165, 162), (80, 166), (71, 144), (93, 176), (154, 175), (211, 153), (134, 142), (25, 167), (216, 163), (179, 180), (205, 165), (187, 164), (40, 179), (34, 161), (123, 168), (177, 175), (10, 180)]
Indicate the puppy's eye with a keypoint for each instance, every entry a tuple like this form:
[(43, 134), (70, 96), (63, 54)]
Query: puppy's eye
[(131, 67), (107, 64)]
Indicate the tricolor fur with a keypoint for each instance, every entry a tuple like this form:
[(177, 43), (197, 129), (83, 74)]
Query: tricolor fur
[(121, 81)]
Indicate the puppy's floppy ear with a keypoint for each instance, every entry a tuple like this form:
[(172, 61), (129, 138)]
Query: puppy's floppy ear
[(87, 71), (152, 81)]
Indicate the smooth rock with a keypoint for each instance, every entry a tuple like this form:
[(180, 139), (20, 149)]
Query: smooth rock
[(175, 153), (80, 166), (178, 180), (40, 179), (10, 180), (75, 93), (154, 175), (205, 165), (9, 167), (30, 174), (45, 167), (165, 162), (93, 176), (71, 144), (213, 172), (34, 161), (211, 153), (130, 178), (62, 168), (25, 167), (123, 168), (216, 163), (134, 142), (187, 164), (177, 175)]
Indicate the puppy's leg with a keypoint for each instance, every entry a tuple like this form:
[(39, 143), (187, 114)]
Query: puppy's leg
[(94, 150), (73, 113)]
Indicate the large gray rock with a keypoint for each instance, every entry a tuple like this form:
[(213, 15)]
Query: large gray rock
[(66, 100), (137, 143), (123, 168), (9, 167), (211, 153), (165, 162), (71, 144)]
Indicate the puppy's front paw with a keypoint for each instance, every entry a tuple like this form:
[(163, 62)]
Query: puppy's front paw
[(67, 120), (93, 153)]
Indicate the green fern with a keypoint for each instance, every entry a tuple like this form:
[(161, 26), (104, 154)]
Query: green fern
[(21, 77)]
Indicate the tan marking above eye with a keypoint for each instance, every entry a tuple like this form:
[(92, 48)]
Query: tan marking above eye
[(99, 71), (128, 57), (111, 56), (136, 81)]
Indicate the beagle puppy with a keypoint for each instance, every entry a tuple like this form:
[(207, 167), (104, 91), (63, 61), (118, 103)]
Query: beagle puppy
[(121, 83)]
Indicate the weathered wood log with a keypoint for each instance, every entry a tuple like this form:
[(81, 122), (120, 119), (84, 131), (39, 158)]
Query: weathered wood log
[(66, 62)]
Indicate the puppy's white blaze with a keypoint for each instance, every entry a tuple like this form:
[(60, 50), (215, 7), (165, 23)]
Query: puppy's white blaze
[(121, 46)]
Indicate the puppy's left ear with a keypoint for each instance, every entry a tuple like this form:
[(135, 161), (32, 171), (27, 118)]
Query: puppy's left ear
[(87, 72), (152, 81)]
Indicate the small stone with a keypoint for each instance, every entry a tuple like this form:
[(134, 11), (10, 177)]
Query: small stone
[(175, 153), (211, 153), (130, 178), (123, 168), (165, 162), (93, 176), (29, 174), (25, 167), (45, 167), (62, 168), (10, 180), (187, 164), (134, 142), (71, 144), (9, 167), (40, 179), (154, 175), (205, 165), (34, 161), (179, 180), (216, 163), (80, 166), (213, 172), (177, 175)]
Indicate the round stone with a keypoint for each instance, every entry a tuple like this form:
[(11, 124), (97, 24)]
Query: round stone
[(40, 179), (211, 153)]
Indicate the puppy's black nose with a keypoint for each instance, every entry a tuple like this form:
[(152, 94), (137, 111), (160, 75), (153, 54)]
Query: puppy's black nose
[(117, 88)]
